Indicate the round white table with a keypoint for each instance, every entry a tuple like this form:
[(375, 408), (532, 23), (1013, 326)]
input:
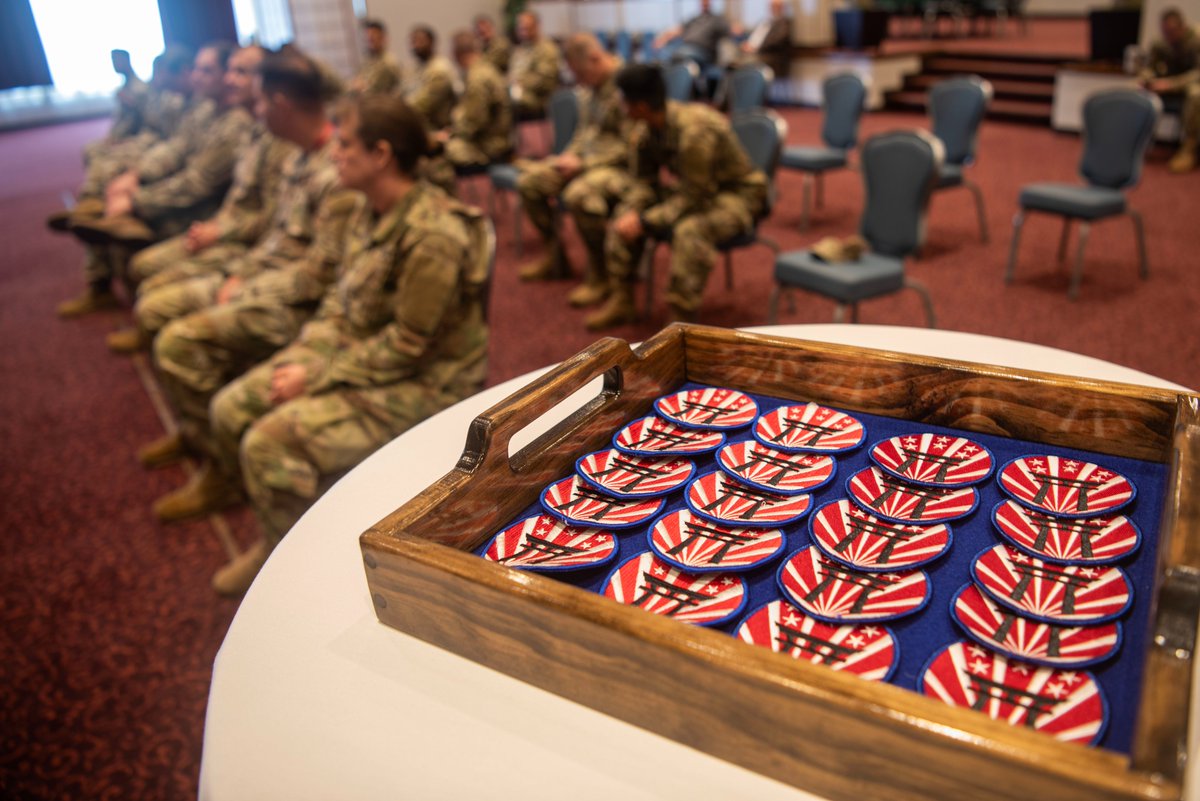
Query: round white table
[(313, 698)]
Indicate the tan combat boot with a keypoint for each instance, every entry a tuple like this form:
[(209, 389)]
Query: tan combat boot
[(208, 491), (1185, 159), (127, 229), (88, 208), (167, 449), (552, 264), (236, 577), (91, 300), (128, 340), (617, 310), (594, 289)]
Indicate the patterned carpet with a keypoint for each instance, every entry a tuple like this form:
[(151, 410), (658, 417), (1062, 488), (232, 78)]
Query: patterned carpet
[(108, 627)]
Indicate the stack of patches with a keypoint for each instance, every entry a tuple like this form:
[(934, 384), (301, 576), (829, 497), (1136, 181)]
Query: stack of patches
[(1044, 603)]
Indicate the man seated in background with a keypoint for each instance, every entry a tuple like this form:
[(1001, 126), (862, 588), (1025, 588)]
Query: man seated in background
[(717, 194), (533, 74), (494, 45), (379, 73), (431, 90), (481, 126), (699, 37), (400, 337), (588, 177), (1173, 71), (770, 42)]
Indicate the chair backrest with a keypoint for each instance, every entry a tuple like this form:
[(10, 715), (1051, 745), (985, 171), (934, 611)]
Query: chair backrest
[(623, 46), (842, 100), (563, 111), (762, 134), (956, 108), (680, 78), (1117, 127), (899, 171), (747, 87)]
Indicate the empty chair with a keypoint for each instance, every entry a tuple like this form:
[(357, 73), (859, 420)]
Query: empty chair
[(899, 170), (956, 107), (1117, 127), (842, 101), (680, 79), (745, 88)]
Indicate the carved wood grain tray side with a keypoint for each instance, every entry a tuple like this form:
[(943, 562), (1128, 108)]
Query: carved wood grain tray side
[(828, 733)]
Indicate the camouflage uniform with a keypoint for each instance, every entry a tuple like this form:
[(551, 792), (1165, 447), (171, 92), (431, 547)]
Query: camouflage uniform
[(378, 75), (481, 125), (159, 113), (718, 196), (601, 143), (499, 52), (1181, 66), (399, 338), (534, 75), (431, 91), (284, 276)]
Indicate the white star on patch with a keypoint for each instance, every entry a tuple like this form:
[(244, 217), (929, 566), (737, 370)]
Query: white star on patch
[(979, 667), (975, 650), (659, 571), (870, 631), (1021, 667), (854, 641), (791, 620), (1056, 690), (1068, 677)]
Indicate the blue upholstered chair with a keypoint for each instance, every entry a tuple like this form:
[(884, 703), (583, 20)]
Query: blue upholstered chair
[(842, 101), (900, 169), (745, 88), (1117, 127), (623, 46), (761, 133), (957, 107), (563, 111), (680, 78)]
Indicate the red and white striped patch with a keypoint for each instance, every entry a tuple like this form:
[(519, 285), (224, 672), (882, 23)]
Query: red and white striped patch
[(692, 543), (1065, 704), (810, 427), (654, 436), (630, 476), (1023, 638), (865, 650), (859, 539), (831, 591), (701, 599), (543, 543), (1064, 594), (708, 407), (774, 470), (724, 499), (895, 499), (936, 459), (1091, 540), (1066, 487), (576, 501)]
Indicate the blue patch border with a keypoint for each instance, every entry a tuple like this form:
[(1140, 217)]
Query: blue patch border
[(1111, 510), (1114, 560), (890, 519), (593, 524), (703, 427), (740, 608), (579, 472), (704, 452), (751, 524), (717, 569), (561, 569), (777, 446), (813, 537), (991, 470), (787, 595), (720, 466)]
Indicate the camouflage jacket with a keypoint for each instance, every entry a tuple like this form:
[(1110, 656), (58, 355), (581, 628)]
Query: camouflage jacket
[(202, 180), (499, 53), (250, 203), (409, 303), (162, 112), (431, 91), (131, 105), (699, 148), (534, 71), (602, 134), (170, 155), (378, 75), (484, 115), (1181, 65)]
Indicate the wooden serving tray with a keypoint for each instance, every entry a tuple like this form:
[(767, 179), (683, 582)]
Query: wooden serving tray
[(817, 729)]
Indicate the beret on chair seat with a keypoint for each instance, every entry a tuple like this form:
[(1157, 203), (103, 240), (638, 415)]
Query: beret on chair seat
[(847, 282), (504, 176)]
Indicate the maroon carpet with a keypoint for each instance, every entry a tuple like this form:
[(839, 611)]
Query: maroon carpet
[(107, 625)]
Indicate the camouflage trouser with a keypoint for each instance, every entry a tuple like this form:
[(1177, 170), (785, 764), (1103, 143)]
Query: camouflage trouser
[(462, 153), (694, 243), (107, 162), (198, 354), (170, 261), (155, 307), (589, 197), (438, 171), (1190, 116)]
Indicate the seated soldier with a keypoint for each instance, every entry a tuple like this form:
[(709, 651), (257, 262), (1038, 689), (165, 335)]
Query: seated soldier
[(1173, 71), (533, 74), (589, 174), (494, 45), (431, 89), (399, 338), (481, 126), (257, 305), (717, 195), (380, 72), (131, 99)]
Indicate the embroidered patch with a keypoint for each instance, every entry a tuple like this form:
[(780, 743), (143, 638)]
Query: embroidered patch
[(861, 540), (936, 460), (1069, 540), (703, 600), (830, 591), (774, 470), (724, 499), (1065, 487), (654, 436), (708, 407), (893, 499), (1062, 594), (810, 427), (629, 476), (1049, 644), (543, 543), (576, 501), (691, 543), (867, 651), (1066, 704)]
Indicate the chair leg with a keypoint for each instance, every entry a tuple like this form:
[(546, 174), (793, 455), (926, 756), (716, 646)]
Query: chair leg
[(1139, 232), (1064, 239), (920, 289), (820, 193), (1018, 221), (729, 270), (805, 197), (517, 238), (854, 313), (839, 313), (983, 223), (647, 272), (1077, 274), (773, 308)]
